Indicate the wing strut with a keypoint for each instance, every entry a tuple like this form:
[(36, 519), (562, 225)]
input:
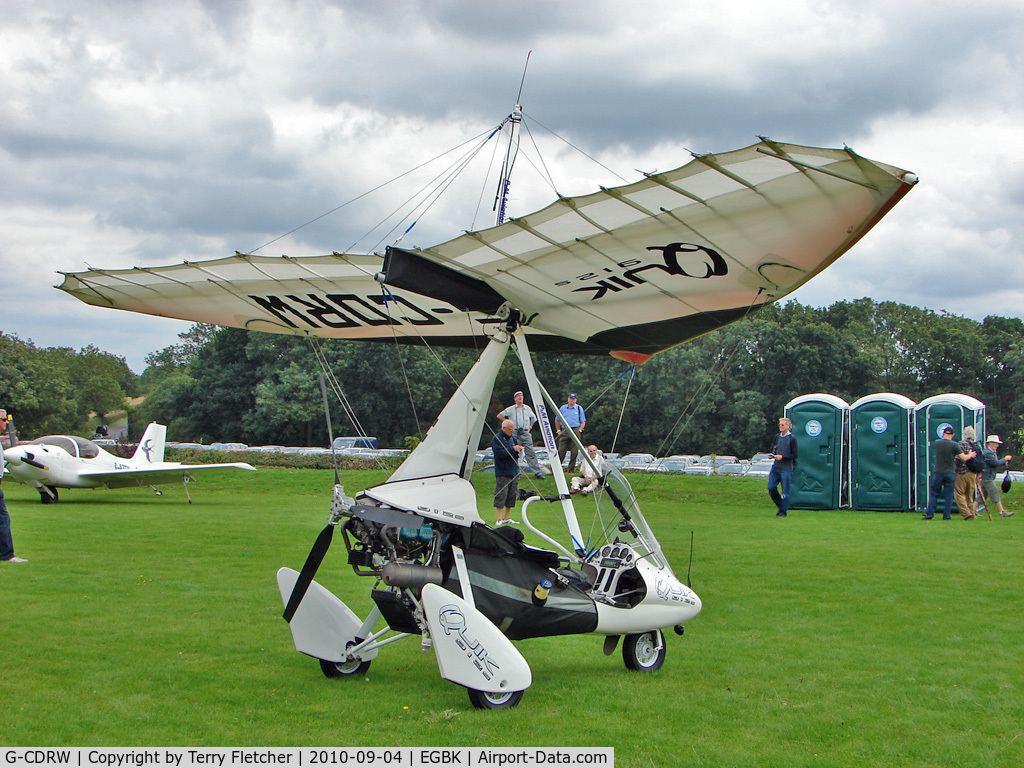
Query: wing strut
[(541, 402)]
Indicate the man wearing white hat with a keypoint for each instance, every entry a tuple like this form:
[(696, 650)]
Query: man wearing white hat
[(993, 464)]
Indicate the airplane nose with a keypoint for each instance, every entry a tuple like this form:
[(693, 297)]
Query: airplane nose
[(698, 605), (18, 455)]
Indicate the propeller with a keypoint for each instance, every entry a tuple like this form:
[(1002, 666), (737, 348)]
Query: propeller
[(309, 569), (323, 540)]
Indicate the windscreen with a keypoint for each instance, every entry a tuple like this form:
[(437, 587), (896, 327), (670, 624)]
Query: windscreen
[(619, 517)]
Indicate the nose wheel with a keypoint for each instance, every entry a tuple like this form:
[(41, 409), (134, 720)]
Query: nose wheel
[(349, 668), (503, 700), (644, 652)]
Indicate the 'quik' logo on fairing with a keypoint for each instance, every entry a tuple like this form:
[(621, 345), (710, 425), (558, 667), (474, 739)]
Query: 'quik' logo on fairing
[(672, 591), (707, 260), (454, 622)]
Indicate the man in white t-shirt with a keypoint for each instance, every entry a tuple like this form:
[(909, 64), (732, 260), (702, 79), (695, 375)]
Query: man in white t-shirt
[(586, 480), (523, 418)]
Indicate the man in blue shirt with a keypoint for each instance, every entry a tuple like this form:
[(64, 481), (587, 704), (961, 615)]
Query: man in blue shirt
[(572, 416), (784, 452), (506, 472)]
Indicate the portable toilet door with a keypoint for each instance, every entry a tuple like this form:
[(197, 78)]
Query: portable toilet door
[(881, 452), (933, 415), (820, 425)]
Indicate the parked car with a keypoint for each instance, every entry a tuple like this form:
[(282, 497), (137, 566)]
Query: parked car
[(635, 460), (675, 465), (689, 458), (759, 468), (733, 469), (704, 470), (228, 447), (355, 442)]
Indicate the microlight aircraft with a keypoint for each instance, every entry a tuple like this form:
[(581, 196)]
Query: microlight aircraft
[(627, 271), (65, 461)]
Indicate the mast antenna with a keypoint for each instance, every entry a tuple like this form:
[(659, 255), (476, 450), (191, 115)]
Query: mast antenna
[(505, 180)]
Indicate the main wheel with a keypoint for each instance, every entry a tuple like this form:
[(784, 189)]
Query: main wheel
[(347, 668), (644, 652), (484, 700)]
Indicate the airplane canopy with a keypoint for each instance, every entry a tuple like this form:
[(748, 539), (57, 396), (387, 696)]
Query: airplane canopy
[(78, 447)]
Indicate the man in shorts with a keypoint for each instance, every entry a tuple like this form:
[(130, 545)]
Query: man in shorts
[(506, 472), (989, 488)]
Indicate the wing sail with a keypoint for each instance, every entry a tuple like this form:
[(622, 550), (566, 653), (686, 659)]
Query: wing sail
[(633, 269)]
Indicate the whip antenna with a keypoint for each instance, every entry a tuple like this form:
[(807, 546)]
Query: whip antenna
[(689, 563)]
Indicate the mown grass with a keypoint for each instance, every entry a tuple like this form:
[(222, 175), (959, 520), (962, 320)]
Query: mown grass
[(827, 639)]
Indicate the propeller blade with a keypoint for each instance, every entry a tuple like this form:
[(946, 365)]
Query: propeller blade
[(309, 569)]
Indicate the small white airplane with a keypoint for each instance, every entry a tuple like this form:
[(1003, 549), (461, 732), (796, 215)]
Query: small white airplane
[(64, 461)]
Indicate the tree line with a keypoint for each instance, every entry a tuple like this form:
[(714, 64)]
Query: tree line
[(720, 393), (55, 389)]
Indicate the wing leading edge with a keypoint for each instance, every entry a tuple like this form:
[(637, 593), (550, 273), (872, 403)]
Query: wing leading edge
[(633, 269)]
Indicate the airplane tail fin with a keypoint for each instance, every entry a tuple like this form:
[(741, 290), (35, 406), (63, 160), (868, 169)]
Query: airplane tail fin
[(151, 446)]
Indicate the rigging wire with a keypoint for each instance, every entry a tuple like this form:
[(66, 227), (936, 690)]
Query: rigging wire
[(318, 352), (701, 393), (545, 173), (388, 299), (431, 192), (622, 411), (484, 185), (585, 154), (369, 192)]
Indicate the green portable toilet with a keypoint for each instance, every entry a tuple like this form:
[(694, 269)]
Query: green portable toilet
[(821, 428), (882, 452), (932, 417)]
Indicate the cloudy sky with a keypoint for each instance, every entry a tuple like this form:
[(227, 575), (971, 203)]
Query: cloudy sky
[(148, 133)]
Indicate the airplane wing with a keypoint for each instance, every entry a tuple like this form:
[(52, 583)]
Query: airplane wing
[(168, 473), (630, 270)]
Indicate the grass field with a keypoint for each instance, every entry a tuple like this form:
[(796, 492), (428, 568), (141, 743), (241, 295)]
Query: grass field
[(827, 639)]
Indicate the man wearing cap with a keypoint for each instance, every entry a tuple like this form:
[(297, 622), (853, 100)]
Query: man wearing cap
[(523, 418), (6, 542), (989, 489), (945, 451), (573, 417)]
